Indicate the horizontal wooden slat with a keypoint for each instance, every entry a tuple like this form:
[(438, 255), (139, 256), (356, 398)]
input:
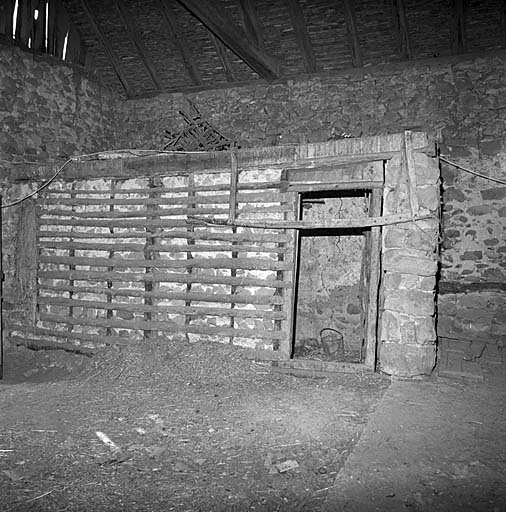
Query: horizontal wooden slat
[(118, 223), (44, 344), (196, 311), (160, 277), (209, 263), (260, 185), (163, 248), (258, 197), (145, 213), (186, 296), (163, 326)]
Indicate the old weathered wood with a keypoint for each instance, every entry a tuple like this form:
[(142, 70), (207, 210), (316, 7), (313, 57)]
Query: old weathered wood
[(458, 23), (402, 28), (221, 51), (351, 24), (42, 344), (371, 324), (195, 311), (166, 326), (360, 222), (179, 41), (234, 179), (6, 17), (302, 35), (251, 22), (215, 18), (135, 37), (161, 277), (214, 263), (107, 46), (39, 34), (310, 368), (193, 296), (165, 248), (351, 185), (409, 164)]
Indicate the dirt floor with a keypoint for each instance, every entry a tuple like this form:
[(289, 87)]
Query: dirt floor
[(193, 427)]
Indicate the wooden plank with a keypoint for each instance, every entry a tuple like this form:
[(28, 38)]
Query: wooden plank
[(39, 35), (202, 234), (351, 25), (179, 41), (193, 296), (6, 17), (160, 277), (215, 18), (458, 23), (162, 212), (111, 55), (360, 222), (251, 22), (225, 63), (302, 35), (352, 185), (195, 311), (409, 164), (163, 327), (61, 30), (373, 284), (119, 223), (53, 7), (164, 248), (136, 39), (234, 180), (24, 25), (74, 45), (208, 263), (41, 344), (402, 29), (254, 197), (320, 368)]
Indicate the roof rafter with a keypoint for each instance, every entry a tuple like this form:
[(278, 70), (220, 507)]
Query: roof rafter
[(302, 35), (251, 22), (351, 24), (459, 26), (401, 23), (224, 60), (139, 45), (179, 41), (213, 15), (107, 47)]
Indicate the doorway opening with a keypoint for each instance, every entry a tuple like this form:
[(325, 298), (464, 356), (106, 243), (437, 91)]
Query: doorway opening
[(333, 307)]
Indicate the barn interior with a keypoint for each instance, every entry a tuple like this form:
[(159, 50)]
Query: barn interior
[(305, 195)]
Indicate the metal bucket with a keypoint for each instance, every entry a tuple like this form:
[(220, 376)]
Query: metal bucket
[(333, 343)]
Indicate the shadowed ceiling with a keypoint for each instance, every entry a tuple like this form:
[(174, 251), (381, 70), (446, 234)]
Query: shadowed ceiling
[(142, 47)]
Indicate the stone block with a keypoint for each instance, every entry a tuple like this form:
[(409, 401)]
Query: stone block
[(481, 209), (413, 302), (414, 262), (428, 197), (407, 361), (472, 255), (401, 328), (496, 193)]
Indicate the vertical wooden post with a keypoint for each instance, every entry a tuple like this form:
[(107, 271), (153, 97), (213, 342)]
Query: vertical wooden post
[(190, 241), (374, 282), (110, 312), (409, 161), (234, 178)]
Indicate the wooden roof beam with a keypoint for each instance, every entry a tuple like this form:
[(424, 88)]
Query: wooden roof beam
[(215, 18), (251, 23), (179, 41), (107, 47), (302, 35), (401, 23), (134, 35), (459, 26), (224, 60), (351, 24)]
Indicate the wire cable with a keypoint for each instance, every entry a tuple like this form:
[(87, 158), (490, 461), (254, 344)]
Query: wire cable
[(470, 171)]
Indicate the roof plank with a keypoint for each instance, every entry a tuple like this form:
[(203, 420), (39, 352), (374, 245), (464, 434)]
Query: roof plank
[(107, 47), (251, 22), (302, 35), (179, 41), (213, 15), (351, 24), (134, 35), (224, 60), (459, 26), (401, 23)]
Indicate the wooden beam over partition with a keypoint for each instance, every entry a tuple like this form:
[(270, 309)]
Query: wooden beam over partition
[(302, 35), (351, 24), (107, 47), (401, 23), (134, 35), (213, 15), (179, 41)]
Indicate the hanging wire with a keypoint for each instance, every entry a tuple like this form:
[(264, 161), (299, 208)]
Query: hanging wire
[(470, 171)]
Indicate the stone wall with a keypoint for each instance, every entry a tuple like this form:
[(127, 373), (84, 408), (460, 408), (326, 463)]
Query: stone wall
[(49, 111), (460, 100)]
